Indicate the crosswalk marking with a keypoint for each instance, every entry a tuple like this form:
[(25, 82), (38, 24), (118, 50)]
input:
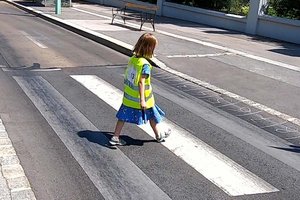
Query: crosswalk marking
[(112, 172), (216, 167)]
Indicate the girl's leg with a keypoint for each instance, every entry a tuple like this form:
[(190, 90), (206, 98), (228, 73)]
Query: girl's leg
[(118, 128), (159, 137), (115, 140), (154, 127)]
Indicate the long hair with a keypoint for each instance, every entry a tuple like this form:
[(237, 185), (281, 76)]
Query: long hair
[(145, 46)]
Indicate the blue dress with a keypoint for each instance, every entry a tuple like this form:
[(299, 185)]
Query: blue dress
[(138, 116)]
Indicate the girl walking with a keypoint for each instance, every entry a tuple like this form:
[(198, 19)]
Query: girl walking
[(138, 105)]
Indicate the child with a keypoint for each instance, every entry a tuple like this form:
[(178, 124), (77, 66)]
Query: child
[(138, 101)]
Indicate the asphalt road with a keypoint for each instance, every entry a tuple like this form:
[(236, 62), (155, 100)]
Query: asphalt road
[(59, 128)]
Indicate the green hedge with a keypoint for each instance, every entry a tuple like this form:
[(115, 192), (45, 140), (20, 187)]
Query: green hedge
[(239, 7), (284, 8), (280, 8)]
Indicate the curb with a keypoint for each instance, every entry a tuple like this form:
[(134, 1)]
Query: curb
[(97, 37), (105, 40)]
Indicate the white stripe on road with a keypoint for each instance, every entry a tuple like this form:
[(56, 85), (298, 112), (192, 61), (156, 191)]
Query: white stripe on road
[(200, 55), (33, 70), (112, 172), (247, 55), (216, 167), (38, 43)]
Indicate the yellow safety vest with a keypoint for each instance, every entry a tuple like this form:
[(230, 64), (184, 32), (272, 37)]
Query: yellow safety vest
[(133, 74)]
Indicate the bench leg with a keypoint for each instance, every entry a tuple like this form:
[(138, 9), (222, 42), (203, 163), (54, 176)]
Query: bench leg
[(112, 19), (142, 23), (153, 26)]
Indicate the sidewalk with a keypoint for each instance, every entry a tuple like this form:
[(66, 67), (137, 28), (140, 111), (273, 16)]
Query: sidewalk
[(184, 37)]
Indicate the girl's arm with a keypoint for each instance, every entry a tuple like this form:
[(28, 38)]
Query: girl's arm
[(142, 91)]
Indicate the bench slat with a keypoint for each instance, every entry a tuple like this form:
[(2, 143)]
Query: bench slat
[(142, 7)]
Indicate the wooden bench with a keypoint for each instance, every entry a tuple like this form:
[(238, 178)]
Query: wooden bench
[(133, 11)]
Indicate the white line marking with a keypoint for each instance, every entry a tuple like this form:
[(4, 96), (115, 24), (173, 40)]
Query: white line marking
[(41, 45), (219, 169), (200, 55), (45, 70), (33, 70), (266, 60), (118, 175)]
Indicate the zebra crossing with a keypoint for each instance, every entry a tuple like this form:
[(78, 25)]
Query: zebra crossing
[(65, 119), (225, 173)]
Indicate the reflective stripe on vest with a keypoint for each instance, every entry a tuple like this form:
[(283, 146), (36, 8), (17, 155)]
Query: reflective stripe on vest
[(136, 99), (133, 73), (129, 84)]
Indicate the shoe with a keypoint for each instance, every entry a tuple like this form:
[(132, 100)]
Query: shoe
[(162, 137), (117, 141)]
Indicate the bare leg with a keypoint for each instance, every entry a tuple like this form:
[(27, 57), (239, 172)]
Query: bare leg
[(154, 127), (118, 128)]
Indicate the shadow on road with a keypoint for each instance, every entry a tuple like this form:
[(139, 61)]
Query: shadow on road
[(295, 149), (102, 138)]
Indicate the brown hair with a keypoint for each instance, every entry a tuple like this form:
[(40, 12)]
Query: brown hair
[(145, 45)]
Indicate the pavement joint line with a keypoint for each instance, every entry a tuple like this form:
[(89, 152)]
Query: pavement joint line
[(20, 189), (200, 55)]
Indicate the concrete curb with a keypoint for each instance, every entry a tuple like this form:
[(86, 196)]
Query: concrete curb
[(97, 37), (110, 42)]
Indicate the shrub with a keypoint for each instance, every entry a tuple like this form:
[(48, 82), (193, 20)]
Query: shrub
[(284, 8), (239, 7)]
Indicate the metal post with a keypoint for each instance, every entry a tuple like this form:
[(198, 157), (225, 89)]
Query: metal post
[(160, 4), (57, 7), (254, 12)]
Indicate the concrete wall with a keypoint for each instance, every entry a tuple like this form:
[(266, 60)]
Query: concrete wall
[(279, 28), (255, 23), (202, 16)]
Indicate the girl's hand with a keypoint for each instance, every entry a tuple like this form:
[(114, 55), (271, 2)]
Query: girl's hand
[(143, 105)]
